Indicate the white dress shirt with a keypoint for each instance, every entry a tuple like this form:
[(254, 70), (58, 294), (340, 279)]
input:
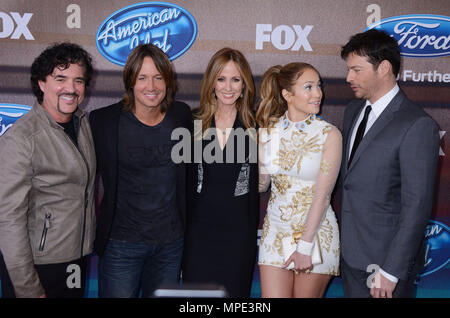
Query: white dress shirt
[(377, 109)]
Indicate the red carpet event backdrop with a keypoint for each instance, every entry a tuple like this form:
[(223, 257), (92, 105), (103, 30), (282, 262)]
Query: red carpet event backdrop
[(268, 32)]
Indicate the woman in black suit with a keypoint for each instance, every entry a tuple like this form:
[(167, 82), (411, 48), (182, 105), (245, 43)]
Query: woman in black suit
[(223, 214)]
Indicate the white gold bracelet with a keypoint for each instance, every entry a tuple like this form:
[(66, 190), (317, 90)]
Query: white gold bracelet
[(304, 247)]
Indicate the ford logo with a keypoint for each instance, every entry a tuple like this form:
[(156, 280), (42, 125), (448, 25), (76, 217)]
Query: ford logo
[(9, 113), (168, 26), (437, 247), (419, 35)]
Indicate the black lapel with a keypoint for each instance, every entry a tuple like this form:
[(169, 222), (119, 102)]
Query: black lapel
[(111, 140)]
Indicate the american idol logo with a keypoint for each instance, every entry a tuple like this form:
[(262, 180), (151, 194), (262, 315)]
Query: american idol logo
[(437, 254), (420, 35), (168, 26), (9, 113)]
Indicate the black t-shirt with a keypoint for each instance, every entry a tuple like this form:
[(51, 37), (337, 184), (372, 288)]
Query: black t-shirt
[(146, 192), (69, 129)]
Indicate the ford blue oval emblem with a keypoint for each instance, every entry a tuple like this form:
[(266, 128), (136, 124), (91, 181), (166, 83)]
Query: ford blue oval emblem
[(419, 35), (437, 255), (9, 113), (170, 27)]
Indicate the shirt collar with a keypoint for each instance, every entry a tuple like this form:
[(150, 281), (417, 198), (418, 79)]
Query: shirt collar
[(382, 103), (301, 125), (40, 110)]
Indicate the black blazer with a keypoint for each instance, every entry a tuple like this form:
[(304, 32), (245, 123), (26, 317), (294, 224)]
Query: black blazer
[(192, 177), (105, 131)]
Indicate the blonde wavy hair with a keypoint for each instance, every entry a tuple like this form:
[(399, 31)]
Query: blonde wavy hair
[(208, 101), (275, 79)]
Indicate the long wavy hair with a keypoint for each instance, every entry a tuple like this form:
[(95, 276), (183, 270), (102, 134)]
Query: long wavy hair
[(275, 79), (208, 101)]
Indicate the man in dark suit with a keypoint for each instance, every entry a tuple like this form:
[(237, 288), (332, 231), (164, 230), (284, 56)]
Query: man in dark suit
[(140, 231), (390, 154)]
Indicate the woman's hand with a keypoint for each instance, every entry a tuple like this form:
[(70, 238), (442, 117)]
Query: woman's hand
[(302, 262)]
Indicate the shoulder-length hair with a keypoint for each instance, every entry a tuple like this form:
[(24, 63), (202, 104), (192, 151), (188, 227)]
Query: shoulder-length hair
[(134, 65), (208, 101)]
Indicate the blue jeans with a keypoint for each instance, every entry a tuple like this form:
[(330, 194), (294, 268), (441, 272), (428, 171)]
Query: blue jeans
[(127, 267)]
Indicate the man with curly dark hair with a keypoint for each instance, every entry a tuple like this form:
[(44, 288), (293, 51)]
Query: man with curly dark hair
[(47, 168)]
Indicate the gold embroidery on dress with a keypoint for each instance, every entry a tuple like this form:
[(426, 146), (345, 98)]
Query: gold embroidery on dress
[(325, 167), (265, 230), (277, 242), (336, 251), (303, 147), (292, 196), (333, 270), (326, 129), (273, 263), (326, 235), (282, 183), (299, 204), (298, 230), (275, 246), (271, 199), (288, 156)]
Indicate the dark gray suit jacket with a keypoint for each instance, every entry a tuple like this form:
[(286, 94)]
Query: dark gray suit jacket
[(387, 191)]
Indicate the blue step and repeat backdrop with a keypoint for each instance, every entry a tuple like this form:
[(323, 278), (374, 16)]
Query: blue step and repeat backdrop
[(268, 32)]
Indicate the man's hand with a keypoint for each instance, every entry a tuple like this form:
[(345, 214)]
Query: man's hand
[(382, 287)]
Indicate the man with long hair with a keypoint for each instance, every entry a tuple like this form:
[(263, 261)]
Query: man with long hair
[(140, 230)]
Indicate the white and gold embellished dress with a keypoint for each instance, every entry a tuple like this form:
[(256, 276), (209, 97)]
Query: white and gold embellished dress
[(301, 161)]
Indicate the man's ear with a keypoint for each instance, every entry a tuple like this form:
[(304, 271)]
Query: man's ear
[(41, 85), (385, 67)]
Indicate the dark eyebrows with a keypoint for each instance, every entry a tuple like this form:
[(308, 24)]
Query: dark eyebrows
[(60, 76)]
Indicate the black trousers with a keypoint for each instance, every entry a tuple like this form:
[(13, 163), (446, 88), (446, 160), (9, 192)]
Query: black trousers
[(7, 287), (354, 282), (62, 280)]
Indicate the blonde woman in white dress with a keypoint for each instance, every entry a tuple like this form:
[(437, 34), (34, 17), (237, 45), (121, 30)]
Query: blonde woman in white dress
[(299, 158)]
